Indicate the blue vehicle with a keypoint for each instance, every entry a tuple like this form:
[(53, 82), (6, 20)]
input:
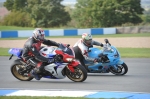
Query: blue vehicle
[(111, 60)]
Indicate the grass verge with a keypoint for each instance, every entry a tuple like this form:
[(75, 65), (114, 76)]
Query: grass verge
[(12, 28), (15, 28), (125, 52), (134, 52)]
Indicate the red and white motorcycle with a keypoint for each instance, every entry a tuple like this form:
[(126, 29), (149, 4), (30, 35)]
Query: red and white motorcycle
[(65, 64)]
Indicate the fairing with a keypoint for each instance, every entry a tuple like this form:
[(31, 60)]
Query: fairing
[(15, 51)]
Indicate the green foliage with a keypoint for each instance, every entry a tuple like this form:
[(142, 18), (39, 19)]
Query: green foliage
[(72, 23), (107, 13), (15, 5), (146, 16), (82, 13), (49, 13), (17, 19), (43, 13), (9, 4)]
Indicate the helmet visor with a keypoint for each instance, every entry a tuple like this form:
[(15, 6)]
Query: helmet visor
[(88, 42), (41, 37)]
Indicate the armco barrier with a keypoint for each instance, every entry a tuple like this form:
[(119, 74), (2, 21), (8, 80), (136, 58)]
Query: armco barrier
[(59, 32)]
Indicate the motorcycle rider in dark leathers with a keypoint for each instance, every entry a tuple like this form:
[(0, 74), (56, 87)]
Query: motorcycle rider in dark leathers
[(31, 52), (81, 49)]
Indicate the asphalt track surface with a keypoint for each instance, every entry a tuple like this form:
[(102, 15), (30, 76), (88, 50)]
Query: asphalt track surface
[(136, 80)]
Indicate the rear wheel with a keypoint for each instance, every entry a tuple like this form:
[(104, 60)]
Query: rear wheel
[(121, 69), (79, 74), (16, 70)]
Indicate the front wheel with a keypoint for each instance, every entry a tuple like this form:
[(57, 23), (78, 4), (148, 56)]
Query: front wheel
[(16, 70), (121, 69), (79, 74)]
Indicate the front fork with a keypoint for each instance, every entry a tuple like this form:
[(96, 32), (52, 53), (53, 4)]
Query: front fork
[(119, 62), (72, 65)]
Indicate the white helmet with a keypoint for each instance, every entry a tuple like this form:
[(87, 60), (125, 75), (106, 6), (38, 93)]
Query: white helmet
[(87, 39), (39, 34)]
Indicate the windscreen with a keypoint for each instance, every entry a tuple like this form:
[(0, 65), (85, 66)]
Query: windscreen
[(107, 48), (65, 49)]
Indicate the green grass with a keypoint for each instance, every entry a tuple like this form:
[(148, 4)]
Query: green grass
[(9, 28), (125, 52), (134, 52), (4, 52)]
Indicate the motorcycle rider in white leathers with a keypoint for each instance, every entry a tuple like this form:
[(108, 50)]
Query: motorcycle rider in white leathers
[(81, 48)]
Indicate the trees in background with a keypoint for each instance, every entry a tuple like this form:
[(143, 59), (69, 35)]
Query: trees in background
[(47, 13), (15, 5), (17, 18), (146, 16), (85, 14), (107, 13), (18, 15), (42, 13)]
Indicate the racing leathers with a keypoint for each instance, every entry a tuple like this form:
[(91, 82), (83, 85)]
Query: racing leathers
[(81, 51), (31, 52)]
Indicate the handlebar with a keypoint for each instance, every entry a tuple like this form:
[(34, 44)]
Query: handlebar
[(67, 46), (64, 47)]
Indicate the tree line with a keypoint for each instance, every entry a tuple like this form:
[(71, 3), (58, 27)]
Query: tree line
[(85, 14)]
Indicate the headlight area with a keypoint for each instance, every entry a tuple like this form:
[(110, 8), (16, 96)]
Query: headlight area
[(69, 59)]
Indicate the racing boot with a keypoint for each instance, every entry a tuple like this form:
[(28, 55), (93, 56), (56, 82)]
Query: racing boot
[(35, 74)]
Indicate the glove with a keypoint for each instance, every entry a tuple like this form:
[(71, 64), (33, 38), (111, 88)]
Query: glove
[(101, 45), (51, 61), (97, 60), (106, 40)]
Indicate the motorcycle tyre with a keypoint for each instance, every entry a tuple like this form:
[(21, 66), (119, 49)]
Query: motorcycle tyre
[(17, 75), (82, 69), (124, 66)]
